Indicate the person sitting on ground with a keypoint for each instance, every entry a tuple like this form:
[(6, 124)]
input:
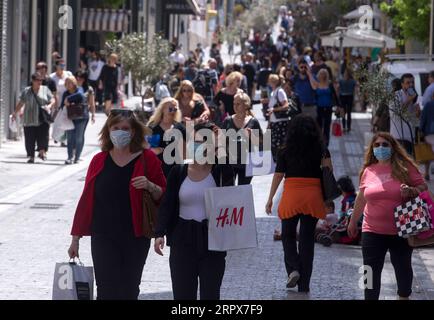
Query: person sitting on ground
[(346, 185)]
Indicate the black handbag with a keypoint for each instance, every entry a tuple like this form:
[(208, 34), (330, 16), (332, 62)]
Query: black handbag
[(44, 115), (75, 111), (290, 113), (329, 185)]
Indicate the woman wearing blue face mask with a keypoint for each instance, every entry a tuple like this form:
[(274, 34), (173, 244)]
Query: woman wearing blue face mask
[(388, 178), (182, 219), (111, 207)]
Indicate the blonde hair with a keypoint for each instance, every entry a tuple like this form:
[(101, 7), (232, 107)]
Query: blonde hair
[(233, 77), (246, 101), (275, 79), (114, 56), (325, 73), (71, 79), (189, 84), (158, 115)]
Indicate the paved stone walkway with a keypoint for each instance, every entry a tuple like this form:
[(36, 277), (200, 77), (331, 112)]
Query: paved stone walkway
[(32, 240)]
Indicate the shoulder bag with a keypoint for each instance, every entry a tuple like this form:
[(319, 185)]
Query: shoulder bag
[(329, 185), (286, 114), (150, 209), (76, 108), (44, 115)]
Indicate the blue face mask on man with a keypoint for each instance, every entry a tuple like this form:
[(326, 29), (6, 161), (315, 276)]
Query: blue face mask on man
[(383, 153)]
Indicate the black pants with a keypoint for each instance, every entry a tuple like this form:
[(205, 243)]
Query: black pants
[(347, 103), (190, 261), (374, 248), (324, 119), (98, 92), (240, 172), (118, 263), (39, 135), (300, 259)]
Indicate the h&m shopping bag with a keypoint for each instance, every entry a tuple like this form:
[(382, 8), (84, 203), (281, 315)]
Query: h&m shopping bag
[(412, 218), (231, 215), (260, 163), (73, 281)]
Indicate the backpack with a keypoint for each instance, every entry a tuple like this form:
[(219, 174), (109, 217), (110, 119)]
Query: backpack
[(201, 83)]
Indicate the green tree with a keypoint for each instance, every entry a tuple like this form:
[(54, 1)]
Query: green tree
[(146, 59), (410, 17)]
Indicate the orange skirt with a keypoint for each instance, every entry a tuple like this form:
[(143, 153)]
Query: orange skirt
[(302, 196)]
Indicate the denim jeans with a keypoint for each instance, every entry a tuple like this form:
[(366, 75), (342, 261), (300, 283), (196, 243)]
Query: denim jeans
[(76, 138)]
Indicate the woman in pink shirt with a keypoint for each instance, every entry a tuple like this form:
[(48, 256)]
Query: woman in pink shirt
[(388, 178)]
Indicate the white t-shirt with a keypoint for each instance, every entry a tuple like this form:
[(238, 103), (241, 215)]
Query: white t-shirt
[(177, 58), (275, 103), (60, 84), (399, 129), (192, 198), (95, 68)]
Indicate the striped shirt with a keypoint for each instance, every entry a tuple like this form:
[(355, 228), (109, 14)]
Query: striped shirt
[(31, 109)]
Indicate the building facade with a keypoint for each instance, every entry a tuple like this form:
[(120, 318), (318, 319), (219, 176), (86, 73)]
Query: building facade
[(31, 30)]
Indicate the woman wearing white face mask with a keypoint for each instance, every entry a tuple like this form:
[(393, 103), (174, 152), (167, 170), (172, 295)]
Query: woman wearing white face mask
[(111, 207), (182, 218), (388, 178)]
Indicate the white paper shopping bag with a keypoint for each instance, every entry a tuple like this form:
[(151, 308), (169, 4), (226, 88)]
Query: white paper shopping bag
[(231, 215), (73, 281)]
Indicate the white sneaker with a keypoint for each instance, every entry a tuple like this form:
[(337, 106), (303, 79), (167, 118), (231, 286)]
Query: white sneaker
[(293, 279)]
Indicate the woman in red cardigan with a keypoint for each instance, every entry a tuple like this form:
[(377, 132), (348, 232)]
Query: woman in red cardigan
[(110, 208)]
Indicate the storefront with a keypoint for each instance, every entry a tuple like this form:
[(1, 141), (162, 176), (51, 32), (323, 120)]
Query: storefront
[(25, 40), (173, 19)]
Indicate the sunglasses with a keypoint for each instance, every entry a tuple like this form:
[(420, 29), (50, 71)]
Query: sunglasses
[(173, 109), (121, 112), (382, 144), (187, 90)]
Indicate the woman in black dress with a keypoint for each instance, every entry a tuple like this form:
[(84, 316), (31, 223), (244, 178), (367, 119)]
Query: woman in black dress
[(110, 209), (247, 133), (191, 104)]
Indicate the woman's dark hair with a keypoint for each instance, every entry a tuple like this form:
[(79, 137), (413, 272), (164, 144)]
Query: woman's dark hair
[(346, 184), (304, 141), (83, 75)]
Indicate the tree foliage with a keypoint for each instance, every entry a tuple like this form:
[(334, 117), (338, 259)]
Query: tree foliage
[(411, 17), (146, 59)]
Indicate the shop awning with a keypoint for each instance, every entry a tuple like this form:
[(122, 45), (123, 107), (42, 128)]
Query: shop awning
[(104, 20), (354, 37), (181, 7)]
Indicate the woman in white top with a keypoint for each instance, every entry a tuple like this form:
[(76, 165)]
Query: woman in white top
[(182, 219), (278, 106)]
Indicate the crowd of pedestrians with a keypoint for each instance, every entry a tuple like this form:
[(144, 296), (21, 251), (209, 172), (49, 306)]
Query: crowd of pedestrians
[(301, 88)]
